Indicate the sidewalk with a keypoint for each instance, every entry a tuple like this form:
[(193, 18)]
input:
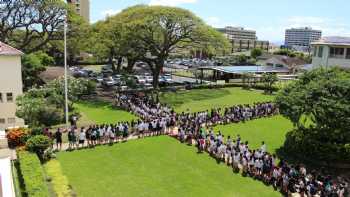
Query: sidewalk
[(65, 146)]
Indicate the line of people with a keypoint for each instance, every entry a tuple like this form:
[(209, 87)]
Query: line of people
[(291, 180), (158, 119)]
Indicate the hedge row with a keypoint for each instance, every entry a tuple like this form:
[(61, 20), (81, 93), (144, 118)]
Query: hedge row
[(33, 175)]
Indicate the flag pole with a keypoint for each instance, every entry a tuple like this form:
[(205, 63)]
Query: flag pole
[(65, 73)]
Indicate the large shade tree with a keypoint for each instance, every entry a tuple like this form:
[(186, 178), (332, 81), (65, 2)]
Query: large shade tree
[(161, 30), (30, 24), (319, 106)]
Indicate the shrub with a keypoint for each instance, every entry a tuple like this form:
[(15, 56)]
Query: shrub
[(318, 104), (17, 137), (38, 144), (36, 131), (58, 179), (33, 175)]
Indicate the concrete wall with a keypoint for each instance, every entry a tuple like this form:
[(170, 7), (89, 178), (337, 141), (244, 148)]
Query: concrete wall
[(325, 60), (10, 82)]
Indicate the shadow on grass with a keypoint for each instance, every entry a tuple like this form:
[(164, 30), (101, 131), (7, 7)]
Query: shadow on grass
[(312, 163), (98, 104), (181, 97)]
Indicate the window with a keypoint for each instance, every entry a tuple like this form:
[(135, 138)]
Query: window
[(9, 97), (336, 52), (315, 51), (320, 51), (2, 120), (11, 120), (348, 53)]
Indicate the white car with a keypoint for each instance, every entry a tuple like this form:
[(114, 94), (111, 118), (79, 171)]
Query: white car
[(149, 79), (140, 79)]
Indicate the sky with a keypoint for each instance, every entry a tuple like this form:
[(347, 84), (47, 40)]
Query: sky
[(269, 18)]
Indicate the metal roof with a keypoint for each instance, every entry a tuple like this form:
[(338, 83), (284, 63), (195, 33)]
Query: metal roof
[(248, 69), (333, 40), (8, 50)]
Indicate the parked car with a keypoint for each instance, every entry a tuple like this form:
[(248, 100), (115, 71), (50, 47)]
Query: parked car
[(140, 79), (99, 78), (149, 79), (109, 82)]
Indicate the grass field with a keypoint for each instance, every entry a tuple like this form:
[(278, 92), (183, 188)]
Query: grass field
[(101, 112), (203, 99), (271, 130), (159, 166)]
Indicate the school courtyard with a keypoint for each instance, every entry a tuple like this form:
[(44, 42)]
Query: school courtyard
[(162, 166)]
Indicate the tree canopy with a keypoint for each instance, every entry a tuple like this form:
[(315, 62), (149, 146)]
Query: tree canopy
[(151, 33), (30, 24), (45, 105), (32, 65), (319, 106)]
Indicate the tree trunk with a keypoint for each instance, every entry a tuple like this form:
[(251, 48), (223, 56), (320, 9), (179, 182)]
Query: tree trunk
[(119, 65), (156, 73), (111, 62), (131, 63)]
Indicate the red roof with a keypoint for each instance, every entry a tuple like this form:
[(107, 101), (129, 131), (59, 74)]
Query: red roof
[(8, 50)]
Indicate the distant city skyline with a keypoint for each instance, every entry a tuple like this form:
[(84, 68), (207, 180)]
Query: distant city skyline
[(269, 18)]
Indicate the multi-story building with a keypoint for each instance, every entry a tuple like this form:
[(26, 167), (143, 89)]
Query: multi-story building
[(238, 33), (82, 7), (300, 38), (10, 85), (242, 39), (331, 51)]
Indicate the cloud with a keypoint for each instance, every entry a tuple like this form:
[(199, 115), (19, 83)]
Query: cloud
[(218, 23), (109, 12), (171, 2)]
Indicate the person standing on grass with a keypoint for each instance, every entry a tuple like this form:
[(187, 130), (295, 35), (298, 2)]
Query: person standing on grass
[(82, 137), (58, 138), (71, 138)]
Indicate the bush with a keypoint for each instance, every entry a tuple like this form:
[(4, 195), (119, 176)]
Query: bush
[(36, 131), (313, 146), (38, 144), (58, 179), (318, 104), (17, 137), (33, 175)]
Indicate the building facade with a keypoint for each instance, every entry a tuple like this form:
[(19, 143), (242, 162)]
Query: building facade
[(331, 51), (242, 39), (301, 38), (10, 85), (82, 7)]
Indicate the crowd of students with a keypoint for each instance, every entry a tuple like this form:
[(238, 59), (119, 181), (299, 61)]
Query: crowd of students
[(158, 119), (259, 164)]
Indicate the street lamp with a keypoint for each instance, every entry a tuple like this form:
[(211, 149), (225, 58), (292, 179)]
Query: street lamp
[(65, 71)]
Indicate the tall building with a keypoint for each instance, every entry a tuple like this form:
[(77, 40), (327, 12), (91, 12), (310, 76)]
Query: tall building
[(331, 51), (10, 85), (301, 37), (238, 33), (242, 39), (82, 7)]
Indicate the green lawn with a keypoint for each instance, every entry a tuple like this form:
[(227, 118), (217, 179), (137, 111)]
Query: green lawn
[(158, 166), (203, 99), (271, 130), (101, 112)]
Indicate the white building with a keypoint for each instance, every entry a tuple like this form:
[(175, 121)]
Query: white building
[(10, 85), (82, 7), (331, 51), (243, 39), (301, 38)]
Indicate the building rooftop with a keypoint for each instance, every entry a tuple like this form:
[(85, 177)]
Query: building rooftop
[(247, 69), (333, 40), (8, 50)]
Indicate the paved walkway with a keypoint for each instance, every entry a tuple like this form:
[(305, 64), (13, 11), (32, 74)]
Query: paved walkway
[(65, 146)]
